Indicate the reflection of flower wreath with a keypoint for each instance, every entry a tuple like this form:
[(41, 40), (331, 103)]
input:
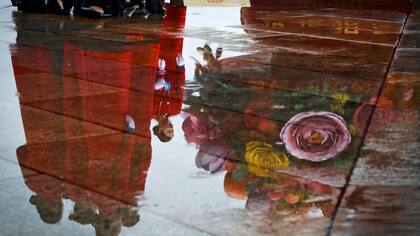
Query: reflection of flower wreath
[(290, 194), (254, 120)]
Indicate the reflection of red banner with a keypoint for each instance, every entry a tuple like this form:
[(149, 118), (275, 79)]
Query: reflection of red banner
[(78, 157)]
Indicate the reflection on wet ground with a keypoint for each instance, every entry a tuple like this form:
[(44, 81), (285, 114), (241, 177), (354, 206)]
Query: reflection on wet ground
[(282, 118)]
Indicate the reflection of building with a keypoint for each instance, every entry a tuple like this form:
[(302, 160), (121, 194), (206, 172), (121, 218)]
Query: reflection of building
[(83, 154)]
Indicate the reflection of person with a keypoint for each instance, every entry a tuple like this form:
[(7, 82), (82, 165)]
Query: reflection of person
[(83, 212), (114, 165), (108, 225), (48, 191), (164, 130), (170, 74), (105, 224), (50, 211)]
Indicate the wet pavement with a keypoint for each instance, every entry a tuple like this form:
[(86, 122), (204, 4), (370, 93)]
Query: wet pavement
[(260, 117)]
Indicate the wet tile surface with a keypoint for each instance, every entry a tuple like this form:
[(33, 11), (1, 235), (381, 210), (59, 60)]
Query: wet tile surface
[(390, 153), (250, 125), (378, 211), (384, 184), (11, 170), (38, 211)]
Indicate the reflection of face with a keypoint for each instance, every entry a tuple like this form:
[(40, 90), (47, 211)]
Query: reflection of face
[(130, 216), (83, 212), (108, 225), (166, 128), (50, 211), (169, 131)]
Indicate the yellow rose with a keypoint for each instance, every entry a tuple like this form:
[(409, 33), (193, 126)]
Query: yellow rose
[(262, 158)]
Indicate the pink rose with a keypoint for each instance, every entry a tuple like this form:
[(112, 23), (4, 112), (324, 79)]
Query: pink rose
[(197, 131), (315, 136)]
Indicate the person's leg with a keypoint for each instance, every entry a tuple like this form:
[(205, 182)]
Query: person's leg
[(60, 6), (34, 6), (177, 3), (155, 7)]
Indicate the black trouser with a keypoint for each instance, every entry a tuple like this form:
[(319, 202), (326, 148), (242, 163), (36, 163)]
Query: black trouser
[(114, 6), (39, 6), (154, 6)]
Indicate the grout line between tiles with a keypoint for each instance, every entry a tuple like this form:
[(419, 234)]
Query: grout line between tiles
[(348, 178), (1, 8)]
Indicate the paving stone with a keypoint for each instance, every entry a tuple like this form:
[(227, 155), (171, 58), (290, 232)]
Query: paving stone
[(11, 170), (69, 210), (42, 126), (390, 152), (378, 211)]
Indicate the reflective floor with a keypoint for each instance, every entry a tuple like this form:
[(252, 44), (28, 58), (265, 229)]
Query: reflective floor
[(258, 117)]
